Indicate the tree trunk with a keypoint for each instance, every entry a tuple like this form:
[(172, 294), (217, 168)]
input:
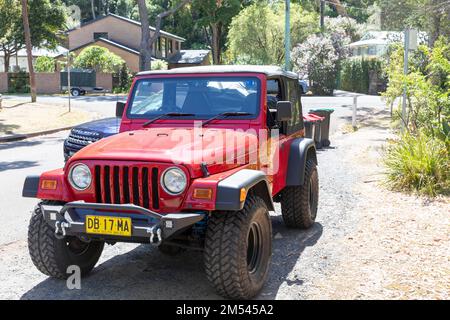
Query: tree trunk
[(93, 9), (26, 28), (215, 45), (146, 39), (145, 56), (7, 56), (435, 22), (339, 7)]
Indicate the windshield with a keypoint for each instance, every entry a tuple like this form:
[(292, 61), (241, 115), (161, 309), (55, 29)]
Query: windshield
[(203, 97)]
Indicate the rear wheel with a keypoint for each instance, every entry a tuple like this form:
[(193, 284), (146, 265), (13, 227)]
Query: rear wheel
[(238, 247), (52, 256), (299, 203)]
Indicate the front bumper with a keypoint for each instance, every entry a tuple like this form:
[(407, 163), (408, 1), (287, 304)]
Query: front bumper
[(147, 225)]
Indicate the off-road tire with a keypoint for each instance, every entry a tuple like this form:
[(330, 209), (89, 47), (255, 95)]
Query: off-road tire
[(299, 203), (170, 250), (227, 249), (52, 256)]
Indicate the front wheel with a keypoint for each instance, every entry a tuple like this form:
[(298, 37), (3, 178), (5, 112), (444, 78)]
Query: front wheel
[(53, 256), (238, 248), (299, 203)]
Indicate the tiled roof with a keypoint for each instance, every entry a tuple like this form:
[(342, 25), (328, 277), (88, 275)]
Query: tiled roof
[(129, 21)]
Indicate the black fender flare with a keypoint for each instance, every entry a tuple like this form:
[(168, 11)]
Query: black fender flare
[(31, 186), (229, 189), (300, 150)]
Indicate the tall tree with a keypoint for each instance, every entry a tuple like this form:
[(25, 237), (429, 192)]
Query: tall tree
[(10, 22), (432, 16), (45, 19), (256, 34), (147, 38), (215, 17), (26, 29)]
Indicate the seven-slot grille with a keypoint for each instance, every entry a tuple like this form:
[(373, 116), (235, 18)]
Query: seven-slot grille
[(127, 184)]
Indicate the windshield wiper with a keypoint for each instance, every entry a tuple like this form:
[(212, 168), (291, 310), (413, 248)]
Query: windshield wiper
[(170, 114), (225, 114)]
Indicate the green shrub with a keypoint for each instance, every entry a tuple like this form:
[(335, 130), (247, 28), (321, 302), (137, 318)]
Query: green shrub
[(45, 64), (99, 59), (427, 87), (18, 82), (355, 74), (418, 163), (159, 65)]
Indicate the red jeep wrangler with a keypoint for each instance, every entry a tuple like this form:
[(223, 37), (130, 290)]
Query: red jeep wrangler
[(202, 156)]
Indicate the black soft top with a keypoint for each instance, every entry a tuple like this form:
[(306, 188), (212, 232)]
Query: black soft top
[(267, 70)]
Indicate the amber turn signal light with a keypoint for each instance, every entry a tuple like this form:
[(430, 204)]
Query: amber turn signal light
[(48, 184), (200, 193), (243, 195)]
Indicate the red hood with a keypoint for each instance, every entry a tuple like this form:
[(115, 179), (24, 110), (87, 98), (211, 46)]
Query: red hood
[(187, 146)]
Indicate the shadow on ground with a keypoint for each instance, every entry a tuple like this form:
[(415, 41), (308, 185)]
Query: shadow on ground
[(12, 165), (16, 144), (6, 129), (145, 273)]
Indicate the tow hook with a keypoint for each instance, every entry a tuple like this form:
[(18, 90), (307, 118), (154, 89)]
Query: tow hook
[(60, 229), (155, 237)]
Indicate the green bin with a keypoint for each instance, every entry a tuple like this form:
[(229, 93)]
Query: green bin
[(325, 125)]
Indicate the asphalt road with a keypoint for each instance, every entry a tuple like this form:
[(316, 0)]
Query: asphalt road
[(149, 273), (103, 105)]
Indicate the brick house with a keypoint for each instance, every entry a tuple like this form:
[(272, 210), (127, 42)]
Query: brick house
[(122, 36)]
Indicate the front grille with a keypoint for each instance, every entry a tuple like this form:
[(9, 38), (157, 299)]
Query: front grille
[(83, 138), (127, 184)]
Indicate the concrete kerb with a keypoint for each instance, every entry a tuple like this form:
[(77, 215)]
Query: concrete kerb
[(17, 137)]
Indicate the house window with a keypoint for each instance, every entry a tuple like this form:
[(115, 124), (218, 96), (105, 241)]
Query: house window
[(98, 35), (177, 46), (170, 46)]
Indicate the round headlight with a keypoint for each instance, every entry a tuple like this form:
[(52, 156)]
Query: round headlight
[(80, 177), (174, 181)]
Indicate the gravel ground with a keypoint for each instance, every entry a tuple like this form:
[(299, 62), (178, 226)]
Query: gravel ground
[(367, 243), (400, 247)]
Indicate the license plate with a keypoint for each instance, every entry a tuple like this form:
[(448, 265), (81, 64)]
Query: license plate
[(114, 226)]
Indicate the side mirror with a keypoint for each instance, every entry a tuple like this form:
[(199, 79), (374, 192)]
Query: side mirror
[(284, 111), (120, 108)]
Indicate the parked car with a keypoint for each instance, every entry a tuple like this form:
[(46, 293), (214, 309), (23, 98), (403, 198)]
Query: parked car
[(88, 133), (161, 181)]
